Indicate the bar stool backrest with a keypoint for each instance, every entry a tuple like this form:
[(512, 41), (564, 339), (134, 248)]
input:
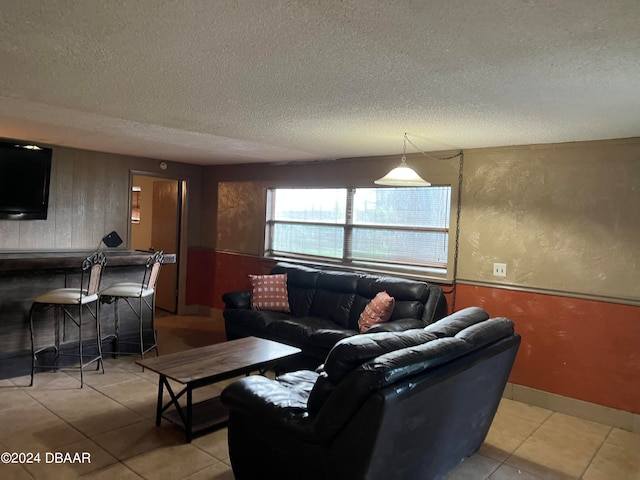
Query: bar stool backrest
[(153, 270), (95, 265)]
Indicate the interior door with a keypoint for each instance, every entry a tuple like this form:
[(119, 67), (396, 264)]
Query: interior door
[(164, 236)]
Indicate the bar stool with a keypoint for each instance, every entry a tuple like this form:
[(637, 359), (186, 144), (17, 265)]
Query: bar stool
[(142, 294), (65, 300)]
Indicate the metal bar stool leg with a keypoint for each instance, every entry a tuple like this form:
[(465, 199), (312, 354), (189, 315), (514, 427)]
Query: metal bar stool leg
[(141, 328), (99, 338), (56, 335), (116, 320), (153, 322), (33, 345), (80, 347)]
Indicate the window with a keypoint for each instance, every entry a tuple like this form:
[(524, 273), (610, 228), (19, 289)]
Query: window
[(382, 228)]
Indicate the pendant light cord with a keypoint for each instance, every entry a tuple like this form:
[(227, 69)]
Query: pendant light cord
[(459, 155), (454, 286), (406, 139)]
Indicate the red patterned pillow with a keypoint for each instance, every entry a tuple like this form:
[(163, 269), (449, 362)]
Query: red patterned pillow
[(378, 310), (269, 292)]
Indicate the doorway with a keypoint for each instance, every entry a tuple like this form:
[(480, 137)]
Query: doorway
[(156, 222)]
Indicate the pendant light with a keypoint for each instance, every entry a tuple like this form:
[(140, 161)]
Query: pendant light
[(402, 175)]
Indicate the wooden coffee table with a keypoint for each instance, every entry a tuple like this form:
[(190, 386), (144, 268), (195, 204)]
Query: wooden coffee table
[(203, 366)]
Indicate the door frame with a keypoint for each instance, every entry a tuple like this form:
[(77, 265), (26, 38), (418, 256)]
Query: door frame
[(181, 252)]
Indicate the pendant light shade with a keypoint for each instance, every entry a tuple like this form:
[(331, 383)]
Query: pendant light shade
[(402, 175)]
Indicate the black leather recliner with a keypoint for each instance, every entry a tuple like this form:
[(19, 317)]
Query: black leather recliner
[(401, 405)]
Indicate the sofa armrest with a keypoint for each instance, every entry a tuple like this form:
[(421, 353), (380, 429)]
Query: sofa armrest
[(270, 403), (399, 325), (262, 397), (237, 299)]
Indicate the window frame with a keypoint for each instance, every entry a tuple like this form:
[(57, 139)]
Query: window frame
[(442, 270)]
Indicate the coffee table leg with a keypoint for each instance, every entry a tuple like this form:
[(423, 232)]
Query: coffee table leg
[(159, 407), (189, 415)]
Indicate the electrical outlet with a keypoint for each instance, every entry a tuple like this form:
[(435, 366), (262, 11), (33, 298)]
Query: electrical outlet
[(500, 269)]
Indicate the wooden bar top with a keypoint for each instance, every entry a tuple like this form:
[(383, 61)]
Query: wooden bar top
[(34, 260)]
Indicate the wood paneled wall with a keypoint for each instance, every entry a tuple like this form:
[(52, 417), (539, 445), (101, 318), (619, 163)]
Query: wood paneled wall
[(89, 197)]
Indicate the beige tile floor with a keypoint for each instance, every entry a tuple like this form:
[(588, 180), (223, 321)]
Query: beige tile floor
[(112, 419)]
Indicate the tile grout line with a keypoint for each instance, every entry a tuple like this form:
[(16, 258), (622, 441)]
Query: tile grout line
[(595, 454), (27, 387), (95, 389), (488, 477), (87, 437), (504, 462), (70, 425)]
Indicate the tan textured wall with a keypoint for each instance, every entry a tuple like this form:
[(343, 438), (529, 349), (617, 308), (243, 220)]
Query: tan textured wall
[(240, 203), (563, 217)]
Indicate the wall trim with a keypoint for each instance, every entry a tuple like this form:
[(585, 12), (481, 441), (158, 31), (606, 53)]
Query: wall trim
[(421, 277), (635, 302), (570, 406)]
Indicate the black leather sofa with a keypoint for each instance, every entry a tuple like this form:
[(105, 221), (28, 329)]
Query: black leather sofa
[(325, 306), (401, 405)]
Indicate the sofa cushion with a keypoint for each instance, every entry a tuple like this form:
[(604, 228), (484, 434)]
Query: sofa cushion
[(486, 332), (265, 397), (326, 338), (321, 390), (302, 381), (297, 331), (257, 320), (378, 310), (269, 292), (394, 365), (352, 352), (334, 296), (405, 362), (456, 322), (409, 296), (301, 286)]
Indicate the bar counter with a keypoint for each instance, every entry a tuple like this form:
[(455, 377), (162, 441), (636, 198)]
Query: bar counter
[(12, 261), (27, 274)]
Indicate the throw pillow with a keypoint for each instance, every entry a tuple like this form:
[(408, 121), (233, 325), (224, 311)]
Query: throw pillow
[(378, 310), (269, 292)]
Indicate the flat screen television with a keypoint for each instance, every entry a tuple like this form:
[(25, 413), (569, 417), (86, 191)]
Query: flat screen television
[(25, 172)]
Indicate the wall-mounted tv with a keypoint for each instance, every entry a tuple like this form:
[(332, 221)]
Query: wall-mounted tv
[(25, 172)]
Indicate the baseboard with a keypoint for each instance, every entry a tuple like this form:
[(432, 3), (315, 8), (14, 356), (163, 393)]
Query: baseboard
[(578, 408)]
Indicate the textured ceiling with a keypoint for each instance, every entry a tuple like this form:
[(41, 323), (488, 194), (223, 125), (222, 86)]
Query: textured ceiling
[(240, 81)]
